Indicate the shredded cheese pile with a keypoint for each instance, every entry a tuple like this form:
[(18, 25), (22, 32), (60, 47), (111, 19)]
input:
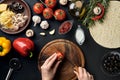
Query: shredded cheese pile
[(6, 19)]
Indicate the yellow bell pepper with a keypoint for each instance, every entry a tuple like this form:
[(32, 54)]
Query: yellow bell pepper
[(5, 46)]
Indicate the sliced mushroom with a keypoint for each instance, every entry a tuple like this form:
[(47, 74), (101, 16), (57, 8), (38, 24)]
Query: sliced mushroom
[(29, 33)]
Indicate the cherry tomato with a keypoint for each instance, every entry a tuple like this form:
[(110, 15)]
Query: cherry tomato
[(60, 56), (60, 14), (50, 3), (48, 13), (38, 8)]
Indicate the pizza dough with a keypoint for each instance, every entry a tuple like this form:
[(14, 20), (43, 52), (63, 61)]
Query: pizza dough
[(107, 34)]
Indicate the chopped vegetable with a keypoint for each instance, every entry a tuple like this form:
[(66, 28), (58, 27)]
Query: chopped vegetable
[(42, 34), (36, 19), (52, 32), (29, 33), (44, 24)]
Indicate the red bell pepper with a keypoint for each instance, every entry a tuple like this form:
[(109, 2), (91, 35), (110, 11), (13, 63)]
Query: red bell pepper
[(24, 46)]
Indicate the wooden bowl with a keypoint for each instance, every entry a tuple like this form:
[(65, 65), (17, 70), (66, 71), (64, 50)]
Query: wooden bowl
[(26, 12)]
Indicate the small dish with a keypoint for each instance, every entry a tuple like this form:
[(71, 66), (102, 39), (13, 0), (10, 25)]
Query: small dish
[(111, 63), (65, 27)]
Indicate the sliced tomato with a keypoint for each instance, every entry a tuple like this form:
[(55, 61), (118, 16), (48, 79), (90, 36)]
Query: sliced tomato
[(38, 8)]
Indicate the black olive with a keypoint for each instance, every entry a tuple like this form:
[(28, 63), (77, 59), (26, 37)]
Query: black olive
[(20, 7), (17, 4), (117, 57)]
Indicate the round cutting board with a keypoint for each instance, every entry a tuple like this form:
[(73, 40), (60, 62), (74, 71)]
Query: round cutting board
[(73, 57)]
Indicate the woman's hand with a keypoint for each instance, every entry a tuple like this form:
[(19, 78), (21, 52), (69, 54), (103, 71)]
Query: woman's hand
[(82, 74), (48, 70)]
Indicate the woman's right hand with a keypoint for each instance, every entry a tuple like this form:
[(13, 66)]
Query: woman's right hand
[(82, 74)]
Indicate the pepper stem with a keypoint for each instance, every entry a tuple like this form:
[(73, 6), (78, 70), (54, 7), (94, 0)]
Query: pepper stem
[(31, 54), (1, 48)]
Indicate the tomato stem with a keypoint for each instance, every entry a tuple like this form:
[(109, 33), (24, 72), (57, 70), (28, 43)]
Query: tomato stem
[(31, 55)]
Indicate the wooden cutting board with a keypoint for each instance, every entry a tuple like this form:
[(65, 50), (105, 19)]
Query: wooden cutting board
[(73, 57)]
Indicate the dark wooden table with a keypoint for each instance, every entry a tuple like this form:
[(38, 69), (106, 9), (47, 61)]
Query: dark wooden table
[(92, 51)]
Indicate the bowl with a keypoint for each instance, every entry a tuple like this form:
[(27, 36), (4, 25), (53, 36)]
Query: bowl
[(111, 63), (65, 27)]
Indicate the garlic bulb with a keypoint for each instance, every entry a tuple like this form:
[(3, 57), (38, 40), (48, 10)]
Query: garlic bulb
[(36, 19), (63, 2), (79, 35), (44, 24)]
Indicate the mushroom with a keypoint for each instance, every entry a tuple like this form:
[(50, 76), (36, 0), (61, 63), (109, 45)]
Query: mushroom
[(78, 4), (97, 10), (29, 33), (36, 19), (44, 24), (63, 2)]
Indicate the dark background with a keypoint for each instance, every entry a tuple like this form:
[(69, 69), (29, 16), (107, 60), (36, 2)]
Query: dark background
[(92, 51)]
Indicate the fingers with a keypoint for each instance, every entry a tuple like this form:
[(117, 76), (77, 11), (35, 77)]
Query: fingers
[(76, 73), (52, 60), (80, 71), (56, 65), (83, 74), (49, 59)]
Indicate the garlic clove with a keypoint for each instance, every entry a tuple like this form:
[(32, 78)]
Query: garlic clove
[(42, 34), (52, 32)]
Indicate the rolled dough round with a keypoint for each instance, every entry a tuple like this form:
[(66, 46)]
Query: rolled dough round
[(107, 34)]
